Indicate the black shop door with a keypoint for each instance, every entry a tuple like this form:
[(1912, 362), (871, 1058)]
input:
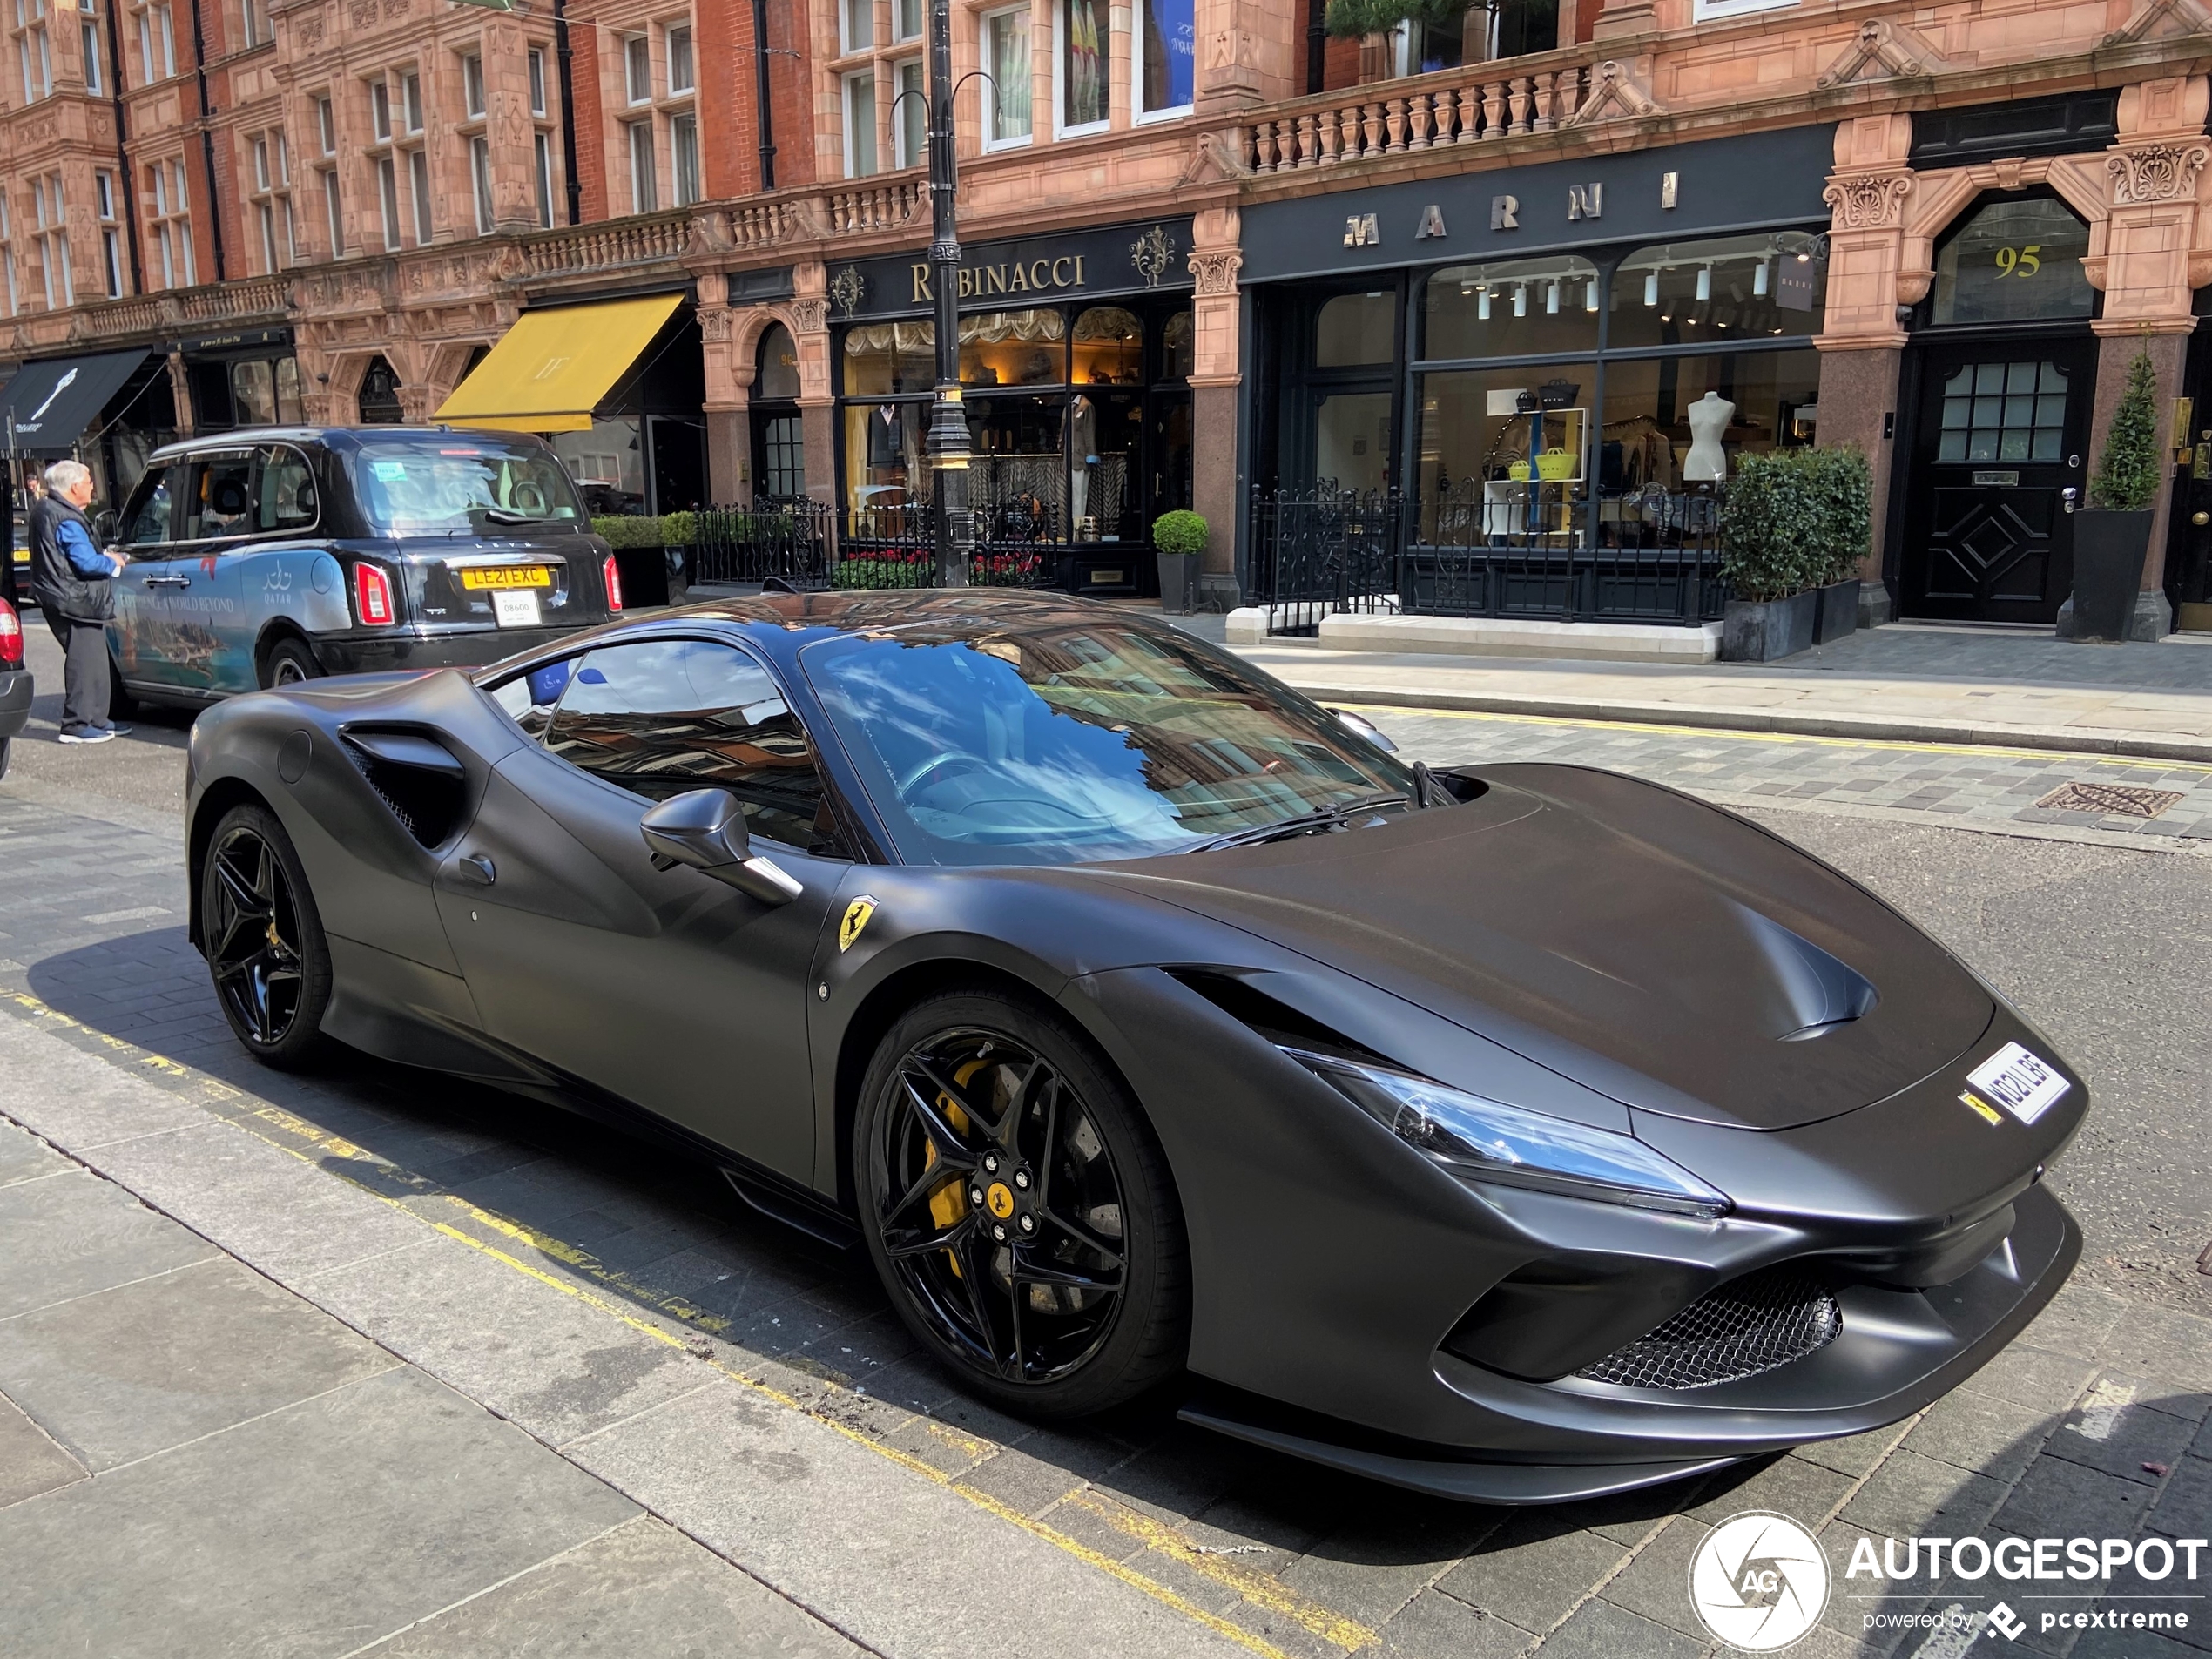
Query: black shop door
[(2001, 438)]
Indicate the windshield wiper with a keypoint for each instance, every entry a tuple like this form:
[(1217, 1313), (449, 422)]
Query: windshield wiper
[(1322, 819), (509, 515)]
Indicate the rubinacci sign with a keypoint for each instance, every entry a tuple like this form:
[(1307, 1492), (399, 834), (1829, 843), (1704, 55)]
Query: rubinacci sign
[(1147, 256)]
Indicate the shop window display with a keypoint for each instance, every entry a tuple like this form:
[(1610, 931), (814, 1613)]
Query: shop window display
[(1511, 308), (1719, 290), (1505, 453)]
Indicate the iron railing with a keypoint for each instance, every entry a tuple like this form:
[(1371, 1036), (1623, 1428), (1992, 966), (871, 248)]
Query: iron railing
[(1486, 549), (790, 540), (1019, 542)]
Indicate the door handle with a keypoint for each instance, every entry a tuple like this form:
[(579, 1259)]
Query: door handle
[(2068, 497), (480, 867), (169, 582)]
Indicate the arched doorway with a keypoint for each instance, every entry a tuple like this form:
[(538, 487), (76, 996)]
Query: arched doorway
[(779, 437), (2003, 375), (379, 398)]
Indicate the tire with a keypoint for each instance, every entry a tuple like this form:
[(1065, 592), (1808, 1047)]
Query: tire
[(5, 744), (1090, 1306), (289, 662), (263, 939), (120, 704)]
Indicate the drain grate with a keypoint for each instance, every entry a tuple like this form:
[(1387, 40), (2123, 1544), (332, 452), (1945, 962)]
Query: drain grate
[(2113, 800)]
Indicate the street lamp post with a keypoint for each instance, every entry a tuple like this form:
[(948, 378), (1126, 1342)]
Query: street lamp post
[(949, 444)]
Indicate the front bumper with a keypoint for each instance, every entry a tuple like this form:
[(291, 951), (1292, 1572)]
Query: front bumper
[(386, 649), (15, 701)]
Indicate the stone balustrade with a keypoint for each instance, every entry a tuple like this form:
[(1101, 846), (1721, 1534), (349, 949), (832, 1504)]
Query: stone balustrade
[(611, 244), (877, 207)]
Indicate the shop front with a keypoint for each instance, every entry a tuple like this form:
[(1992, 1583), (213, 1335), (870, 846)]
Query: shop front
[(615, 385), (247, 377), (1535, 366), (1075, 353), (110, 410)]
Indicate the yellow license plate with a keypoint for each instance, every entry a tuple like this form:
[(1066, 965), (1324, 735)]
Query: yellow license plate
[(507, 575)]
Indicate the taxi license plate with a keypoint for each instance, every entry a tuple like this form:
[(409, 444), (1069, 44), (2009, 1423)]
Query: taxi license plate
[(2020, 1082), (515, 608), (506, 576)]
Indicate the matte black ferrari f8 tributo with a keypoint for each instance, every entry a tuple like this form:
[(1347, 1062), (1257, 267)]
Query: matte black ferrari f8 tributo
[(1517, 1133)]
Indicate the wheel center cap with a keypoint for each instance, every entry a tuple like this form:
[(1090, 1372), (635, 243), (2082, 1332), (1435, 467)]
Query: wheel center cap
[(999, 1199)]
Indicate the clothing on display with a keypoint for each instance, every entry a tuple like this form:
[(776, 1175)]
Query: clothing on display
[(1709, 417), (1083, 456)]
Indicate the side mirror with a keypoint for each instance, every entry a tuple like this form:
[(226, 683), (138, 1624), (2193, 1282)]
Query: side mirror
[(1365, 728), (704, 829), (103, 527)]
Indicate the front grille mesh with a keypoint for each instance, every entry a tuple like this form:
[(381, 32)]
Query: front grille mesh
[(1750, 1324)]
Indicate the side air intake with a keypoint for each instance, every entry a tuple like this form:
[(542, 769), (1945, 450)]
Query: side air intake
[(422, 782)]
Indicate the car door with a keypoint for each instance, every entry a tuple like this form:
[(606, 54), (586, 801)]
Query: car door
[(666, 987), (145, 533), (215, 626)]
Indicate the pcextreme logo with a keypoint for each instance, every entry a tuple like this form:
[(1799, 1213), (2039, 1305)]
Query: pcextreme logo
[(1759, 1581)]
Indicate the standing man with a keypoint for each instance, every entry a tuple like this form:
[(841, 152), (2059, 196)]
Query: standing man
[(72, 578)]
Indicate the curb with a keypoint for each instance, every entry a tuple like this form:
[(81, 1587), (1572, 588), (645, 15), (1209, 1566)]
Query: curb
[(2059, 740)]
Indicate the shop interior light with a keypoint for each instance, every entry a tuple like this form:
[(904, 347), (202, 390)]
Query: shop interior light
[(1520, 299), (1651, 288), (1589, 294), (1758, 282), (1704, 282), (1551, 299), (1805, 258), (1482, 302)]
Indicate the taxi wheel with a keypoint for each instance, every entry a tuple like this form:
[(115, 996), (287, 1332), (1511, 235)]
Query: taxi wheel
[(4, 743), (120, 704), (290, 662)]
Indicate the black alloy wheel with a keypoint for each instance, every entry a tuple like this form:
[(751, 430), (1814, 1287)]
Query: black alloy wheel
[(262, 938), (290, 662), (1019, 1209)]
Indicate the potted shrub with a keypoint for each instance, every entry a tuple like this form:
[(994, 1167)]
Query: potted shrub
[(1178, 539), (1771, 556), (1844, 485), (2112, 535), (650, 553)]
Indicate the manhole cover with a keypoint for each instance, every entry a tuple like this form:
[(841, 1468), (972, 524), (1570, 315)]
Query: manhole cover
[(2114, 800)]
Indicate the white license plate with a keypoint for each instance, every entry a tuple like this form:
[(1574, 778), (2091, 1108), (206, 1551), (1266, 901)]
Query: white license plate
[(515, 608), (2023, 1084)]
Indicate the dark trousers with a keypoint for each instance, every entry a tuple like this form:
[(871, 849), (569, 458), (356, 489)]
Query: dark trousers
[(85, 673)]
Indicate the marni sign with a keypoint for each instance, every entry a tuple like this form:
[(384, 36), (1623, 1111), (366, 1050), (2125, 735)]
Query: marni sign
[(1127, 258)]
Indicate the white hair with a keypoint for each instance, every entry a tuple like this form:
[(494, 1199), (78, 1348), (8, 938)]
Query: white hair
[(64, 475)]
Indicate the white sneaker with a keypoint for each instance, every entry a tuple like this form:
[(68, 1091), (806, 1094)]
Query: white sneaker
[(98, 734)]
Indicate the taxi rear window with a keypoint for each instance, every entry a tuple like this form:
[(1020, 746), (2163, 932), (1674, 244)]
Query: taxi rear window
[(441, 483)]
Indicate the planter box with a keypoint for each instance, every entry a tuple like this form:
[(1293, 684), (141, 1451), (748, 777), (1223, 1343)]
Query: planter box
[(1759, 631), (1837, 612), (1178, 576), (2108, 553)]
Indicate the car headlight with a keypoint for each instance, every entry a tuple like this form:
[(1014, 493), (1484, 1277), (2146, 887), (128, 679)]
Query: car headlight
[(1485, 1140)]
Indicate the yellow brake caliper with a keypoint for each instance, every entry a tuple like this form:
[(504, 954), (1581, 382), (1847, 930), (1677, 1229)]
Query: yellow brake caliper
[(948, 1203)]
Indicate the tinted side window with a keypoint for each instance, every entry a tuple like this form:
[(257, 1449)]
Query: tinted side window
[(284, 489), (147, 518), (220, 500), (664, 716)]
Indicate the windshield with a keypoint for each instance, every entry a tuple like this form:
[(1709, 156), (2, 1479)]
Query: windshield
[(460, 481), (1089, 740)]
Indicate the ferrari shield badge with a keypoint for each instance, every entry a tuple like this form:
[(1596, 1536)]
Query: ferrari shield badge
[(856, 918)]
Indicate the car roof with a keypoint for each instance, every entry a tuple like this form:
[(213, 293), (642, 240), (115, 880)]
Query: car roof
[(330, 437)]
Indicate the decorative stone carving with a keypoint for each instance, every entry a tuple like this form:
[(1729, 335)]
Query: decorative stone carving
[(2164, 19), (1880, 51), (1152, 253), (1215, 158), (1868, 201), (848, 288), (714, 325), (1614, 96), (1214, 272), (2156, 172), (810, 316)]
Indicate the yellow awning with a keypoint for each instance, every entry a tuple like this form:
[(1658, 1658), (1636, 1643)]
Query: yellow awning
[(554, 367)]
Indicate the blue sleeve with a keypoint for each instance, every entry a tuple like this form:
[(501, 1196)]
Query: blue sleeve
[(83, 558)]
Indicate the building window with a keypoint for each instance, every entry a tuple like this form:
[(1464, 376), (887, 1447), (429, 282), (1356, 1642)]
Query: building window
[(35, 53), (255, 16), (1169, 51), (1718, 292), (860, 124), (388, 200), (856, 24), (2015, 259), (411, 101), (906, 19), (472, 83), (682, 76), (418, 185), (480, 179), (1082, 80), (111, 237), (1006, 36), (379, 110), (645, 195), (171, 226), (53, 242), (88, 36), (538, 79), (7, 253), (157, 43), (333, 212), (638, 69), (684, 146), (543, 143), (326, 126), (910, 124), (271, 198)]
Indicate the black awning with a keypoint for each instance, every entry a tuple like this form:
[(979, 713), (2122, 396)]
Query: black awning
[(52, 404)]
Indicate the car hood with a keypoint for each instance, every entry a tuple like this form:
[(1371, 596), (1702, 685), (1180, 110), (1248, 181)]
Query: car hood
[(1664, 952)]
